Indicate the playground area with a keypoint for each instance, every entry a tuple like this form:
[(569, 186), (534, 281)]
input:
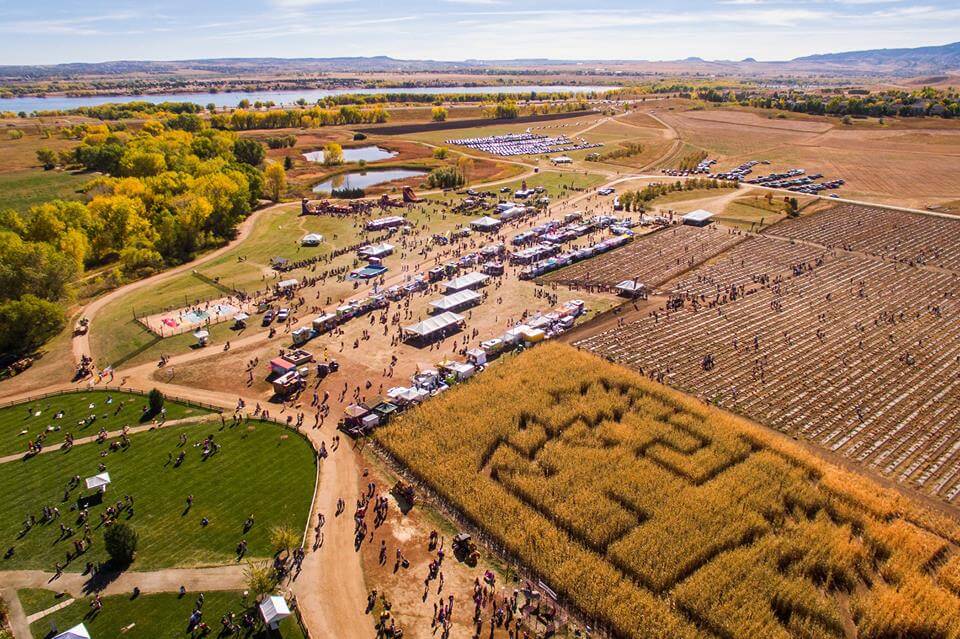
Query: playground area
[(197, 316)]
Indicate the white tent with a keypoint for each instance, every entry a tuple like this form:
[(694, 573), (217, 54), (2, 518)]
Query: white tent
[(433, 324), (241, 317), (376, 250), (311, 239), (456, 301), (100, 481), (630, 288), (470, 280), (77, 632), (274, 610), (288, 284), (485, 223)]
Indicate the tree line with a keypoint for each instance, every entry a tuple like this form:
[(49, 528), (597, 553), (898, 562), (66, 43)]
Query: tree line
[(164, 194), (637, 200)]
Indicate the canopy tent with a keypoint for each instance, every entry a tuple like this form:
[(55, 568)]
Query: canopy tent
[(486, 223), (274, 610), (77, 632), (512, 212), (470, 280), (355, 411), (99, 482), (311, 239), (288, 284), (281, 365), (456, 301), (376, 250), (202, 335), (433, 325), (241, 317), (408, 395), (699, 217), (630, 287)]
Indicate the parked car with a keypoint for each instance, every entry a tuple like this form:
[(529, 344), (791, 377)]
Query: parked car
[(268, 317), (283, 314)]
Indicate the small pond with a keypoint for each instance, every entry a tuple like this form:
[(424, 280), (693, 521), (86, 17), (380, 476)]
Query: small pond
[(364, 179), (365, 153)]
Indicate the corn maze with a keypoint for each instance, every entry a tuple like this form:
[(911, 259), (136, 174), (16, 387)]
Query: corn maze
[(859, 353), (651, 260), (659, 516)]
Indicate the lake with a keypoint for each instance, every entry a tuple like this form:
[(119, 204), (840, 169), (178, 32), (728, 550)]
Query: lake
[(366, 153), (63, 103), (364, 179)]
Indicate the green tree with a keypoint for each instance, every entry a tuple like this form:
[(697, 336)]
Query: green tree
[(332, 154), (249, 151), (287, 162), (26, 323), (438, 114), (283, 538), (120, 540), (47, 158), (259, 578), (441, 152), (155, 401), (276, 180)]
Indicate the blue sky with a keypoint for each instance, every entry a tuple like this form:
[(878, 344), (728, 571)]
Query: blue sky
[(50, 31)]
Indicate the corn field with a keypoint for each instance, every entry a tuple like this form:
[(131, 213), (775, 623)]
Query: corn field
[(663, 517)]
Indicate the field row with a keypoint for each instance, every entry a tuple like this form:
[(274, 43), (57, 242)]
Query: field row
[(650, 260), (857, 354)]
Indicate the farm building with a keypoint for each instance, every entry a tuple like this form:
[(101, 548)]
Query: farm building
[(486, 224), (562, 159), (470, 280), (456, 301), (432, 327), (698, 218)]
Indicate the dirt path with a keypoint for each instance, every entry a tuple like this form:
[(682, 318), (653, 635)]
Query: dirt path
[(81, 343), (168, 580), (331, 590)]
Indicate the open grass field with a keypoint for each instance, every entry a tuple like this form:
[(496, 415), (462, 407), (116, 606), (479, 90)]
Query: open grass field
[(261, 469), (159, 616), (23, 189), (905, 163), (35, 600), (658, 516), (22, 422), (20, 155)]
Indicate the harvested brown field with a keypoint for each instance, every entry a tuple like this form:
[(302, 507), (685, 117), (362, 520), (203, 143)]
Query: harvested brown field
[(903, 163), (650, 259), (658, 516), (857, 352)]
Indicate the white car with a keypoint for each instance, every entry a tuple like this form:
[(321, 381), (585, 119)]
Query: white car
[(282, 314)]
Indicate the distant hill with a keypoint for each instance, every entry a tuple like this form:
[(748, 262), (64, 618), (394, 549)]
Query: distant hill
[(931, 61), (918, 59)]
